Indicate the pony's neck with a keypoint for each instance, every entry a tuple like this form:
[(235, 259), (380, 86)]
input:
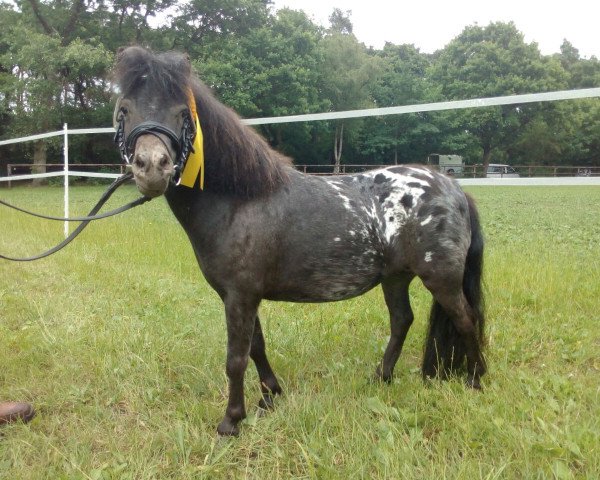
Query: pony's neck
[(238, 161)]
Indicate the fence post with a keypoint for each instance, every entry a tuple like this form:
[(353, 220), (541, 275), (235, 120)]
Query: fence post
[(66, 170)]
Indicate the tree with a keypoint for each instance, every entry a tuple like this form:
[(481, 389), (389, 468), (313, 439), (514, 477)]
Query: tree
[(205, 28), (347, 73), (582, 73), (578, 122), (272, 71), (339, 22), (493, 61), (398, 138)]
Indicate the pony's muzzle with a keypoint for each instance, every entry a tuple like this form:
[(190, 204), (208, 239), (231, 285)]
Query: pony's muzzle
[(152, 165)]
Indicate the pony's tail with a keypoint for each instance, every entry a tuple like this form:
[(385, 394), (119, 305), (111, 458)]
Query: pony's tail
[(444, 349)]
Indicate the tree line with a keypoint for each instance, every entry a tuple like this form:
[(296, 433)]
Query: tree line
[(56, 58)]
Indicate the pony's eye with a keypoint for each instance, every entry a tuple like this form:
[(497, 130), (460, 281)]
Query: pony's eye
[(124, 111)]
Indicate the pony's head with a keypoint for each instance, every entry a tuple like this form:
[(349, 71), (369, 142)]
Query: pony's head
[(152, 116), (161, 104)]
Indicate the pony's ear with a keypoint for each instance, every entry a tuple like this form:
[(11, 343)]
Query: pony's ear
[(185, 64), (179, 62), (122, 52), (132, 51)]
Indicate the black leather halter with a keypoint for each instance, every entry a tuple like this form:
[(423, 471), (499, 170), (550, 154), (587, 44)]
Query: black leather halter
[(182, 143)]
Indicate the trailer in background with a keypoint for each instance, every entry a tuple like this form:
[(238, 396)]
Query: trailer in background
[(448, 164)]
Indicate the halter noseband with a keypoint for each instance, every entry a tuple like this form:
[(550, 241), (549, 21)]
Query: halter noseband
[(182, 143)]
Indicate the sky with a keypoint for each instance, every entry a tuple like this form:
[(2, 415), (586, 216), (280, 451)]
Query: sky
[(431, 24)]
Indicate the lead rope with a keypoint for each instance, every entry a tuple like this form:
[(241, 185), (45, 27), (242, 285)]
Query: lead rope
[(84, 220)]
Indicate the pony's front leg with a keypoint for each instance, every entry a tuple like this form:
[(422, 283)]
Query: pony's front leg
[(240, 315), (269, 385)]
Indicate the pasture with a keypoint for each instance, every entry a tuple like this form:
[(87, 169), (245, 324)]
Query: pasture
[(120, 344)]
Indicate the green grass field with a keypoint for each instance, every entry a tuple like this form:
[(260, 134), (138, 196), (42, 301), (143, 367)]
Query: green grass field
[(120, 344)]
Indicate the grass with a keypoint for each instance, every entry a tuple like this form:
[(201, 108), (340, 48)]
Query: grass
[(120, 344)]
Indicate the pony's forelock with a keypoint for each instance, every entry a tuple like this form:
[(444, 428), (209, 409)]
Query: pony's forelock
[(166, 72)]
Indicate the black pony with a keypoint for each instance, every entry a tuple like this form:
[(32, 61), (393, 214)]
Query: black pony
[(262, 230)]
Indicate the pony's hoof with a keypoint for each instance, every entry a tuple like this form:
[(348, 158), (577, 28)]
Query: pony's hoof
[(228, 429), (266, 403), (474, 384), (380, 377)]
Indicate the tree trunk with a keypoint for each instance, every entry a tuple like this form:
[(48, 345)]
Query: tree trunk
[(338, 143), (487, 155), (39, 161), (396, 142)]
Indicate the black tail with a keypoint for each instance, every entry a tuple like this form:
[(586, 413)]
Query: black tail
[(444, 348)]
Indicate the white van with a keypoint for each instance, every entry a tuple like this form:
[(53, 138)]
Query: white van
[(498, 170)]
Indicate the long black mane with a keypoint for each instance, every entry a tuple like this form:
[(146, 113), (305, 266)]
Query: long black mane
[(238, 160)]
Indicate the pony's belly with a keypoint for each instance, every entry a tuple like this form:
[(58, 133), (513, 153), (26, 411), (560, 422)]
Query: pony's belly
[(324, 291)]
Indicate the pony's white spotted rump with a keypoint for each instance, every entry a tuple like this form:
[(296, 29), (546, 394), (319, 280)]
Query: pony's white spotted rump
[(391, 197), (262, 230), (399, 197)]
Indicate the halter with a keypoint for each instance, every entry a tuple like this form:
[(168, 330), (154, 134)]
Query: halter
[(183, 144)]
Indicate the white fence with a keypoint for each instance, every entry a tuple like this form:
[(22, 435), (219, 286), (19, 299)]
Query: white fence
[(427, 107), (66, 173)]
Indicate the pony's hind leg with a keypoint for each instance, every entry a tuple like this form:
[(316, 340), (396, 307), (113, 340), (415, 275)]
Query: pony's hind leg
[(395, 291), (453, 336), (457, 319), (269, 386)]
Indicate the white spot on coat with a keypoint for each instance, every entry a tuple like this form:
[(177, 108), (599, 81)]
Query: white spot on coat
[(426, 221), (339, 188), (428, 256)]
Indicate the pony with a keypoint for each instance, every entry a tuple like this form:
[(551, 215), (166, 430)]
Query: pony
[(260, 229)]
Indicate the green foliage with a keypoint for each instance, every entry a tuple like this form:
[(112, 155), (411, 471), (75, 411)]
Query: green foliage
[(347, 74), (402, 81), (201, 25), (582, 73), (273, 71), (493, 61), (340, 22), (55, 60)]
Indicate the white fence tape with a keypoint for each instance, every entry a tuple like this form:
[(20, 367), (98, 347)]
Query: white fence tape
[(72, 173), (432, 107), (373, 112)]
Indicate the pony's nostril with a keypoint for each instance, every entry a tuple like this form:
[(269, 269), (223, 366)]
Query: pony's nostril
[(164, 161), (139, 162)]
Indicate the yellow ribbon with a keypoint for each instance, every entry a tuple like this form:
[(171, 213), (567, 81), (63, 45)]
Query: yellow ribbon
[(195, 162)]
